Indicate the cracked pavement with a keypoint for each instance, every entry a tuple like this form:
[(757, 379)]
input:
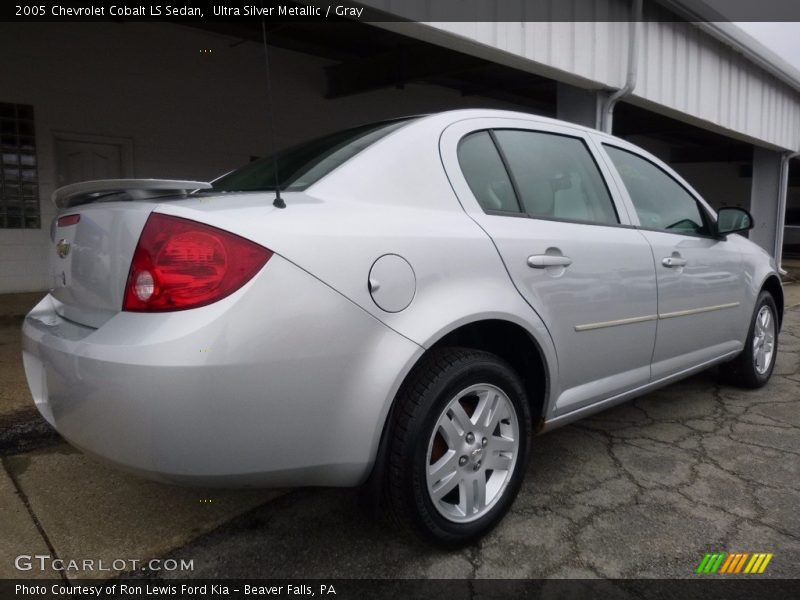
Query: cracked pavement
[(641, 490)]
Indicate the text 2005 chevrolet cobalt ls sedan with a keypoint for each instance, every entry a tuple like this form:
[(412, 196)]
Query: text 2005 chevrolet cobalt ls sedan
[(434, 290)]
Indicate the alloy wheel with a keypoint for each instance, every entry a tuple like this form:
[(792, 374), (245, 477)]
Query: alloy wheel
[(763, 340), (472, 453)]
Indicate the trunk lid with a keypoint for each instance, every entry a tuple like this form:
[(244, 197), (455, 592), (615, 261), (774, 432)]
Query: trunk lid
[(89, 259)]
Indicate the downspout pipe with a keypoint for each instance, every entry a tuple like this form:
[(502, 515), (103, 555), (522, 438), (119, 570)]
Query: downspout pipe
[(780, 219), (607, 110)]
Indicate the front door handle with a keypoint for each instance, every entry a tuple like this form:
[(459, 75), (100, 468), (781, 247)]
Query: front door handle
[(673, 261), (542, 261)]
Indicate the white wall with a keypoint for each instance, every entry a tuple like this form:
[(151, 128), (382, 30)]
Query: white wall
[(686, 71), (188, 114), (683, 71)]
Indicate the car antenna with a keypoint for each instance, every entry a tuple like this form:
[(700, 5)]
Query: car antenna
[(278, 201)]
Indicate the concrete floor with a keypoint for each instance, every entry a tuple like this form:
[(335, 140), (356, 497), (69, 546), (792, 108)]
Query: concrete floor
[(14, 396), (642, 490), (56, 501)]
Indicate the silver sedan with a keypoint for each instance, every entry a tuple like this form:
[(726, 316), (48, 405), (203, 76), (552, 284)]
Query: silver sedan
[(403, 303)]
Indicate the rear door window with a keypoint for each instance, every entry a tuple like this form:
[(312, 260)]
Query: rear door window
[(556, 176)]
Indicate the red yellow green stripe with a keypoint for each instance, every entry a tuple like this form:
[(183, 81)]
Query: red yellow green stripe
[(734, 563)]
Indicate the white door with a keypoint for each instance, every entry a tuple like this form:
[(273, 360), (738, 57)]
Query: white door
[(85, 161)]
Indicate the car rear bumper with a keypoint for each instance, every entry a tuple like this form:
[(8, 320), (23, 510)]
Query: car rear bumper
[(285, 382)]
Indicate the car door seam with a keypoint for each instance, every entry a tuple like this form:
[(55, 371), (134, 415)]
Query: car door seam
[(658, 299)]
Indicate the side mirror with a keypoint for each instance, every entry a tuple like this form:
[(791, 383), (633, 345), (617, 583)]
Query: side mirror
[(731, 219)]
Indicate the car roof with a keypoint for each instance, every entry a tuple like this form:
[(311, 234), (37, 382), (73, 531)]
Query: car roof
[(477, 113)]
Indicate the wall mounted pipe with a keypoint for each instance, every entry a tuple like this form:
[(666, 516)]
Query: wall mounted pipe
[(607, 110)]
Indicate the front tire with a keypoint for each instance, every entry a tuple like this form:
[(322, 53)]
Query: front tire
[(459, 446), (754, 366)]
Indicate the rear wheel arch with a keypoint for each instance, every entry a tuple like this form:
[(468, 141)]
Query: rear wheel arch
[(511, 342), (516, 346)]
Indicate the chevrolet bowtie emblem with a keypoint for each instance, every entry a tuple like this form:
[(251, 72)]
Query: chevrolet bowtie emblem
[(62, 248)]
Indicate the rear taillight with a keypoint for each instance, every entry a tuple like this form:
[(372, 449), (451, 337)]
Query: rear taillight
[(180, 264)]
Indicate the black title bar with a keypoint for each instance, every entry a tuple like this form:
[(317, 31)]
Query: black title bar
[(708, 587), (410, 10)]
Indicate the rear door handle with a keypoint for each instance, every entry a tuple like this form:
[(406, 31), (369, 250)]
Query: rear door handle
[(542, 261), (673, 261)]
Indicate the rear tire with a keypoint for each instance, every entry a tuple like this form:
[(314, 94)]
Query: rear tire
[(459, 446), (753, 367)]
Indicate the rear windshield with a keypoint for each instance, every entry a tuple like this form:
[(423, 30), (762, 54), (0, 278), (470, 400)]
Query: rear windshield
[(302, 165)]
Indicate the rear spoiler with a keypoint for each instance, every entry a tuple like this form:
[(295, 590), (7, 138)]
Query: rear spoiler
[(122, 189)]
